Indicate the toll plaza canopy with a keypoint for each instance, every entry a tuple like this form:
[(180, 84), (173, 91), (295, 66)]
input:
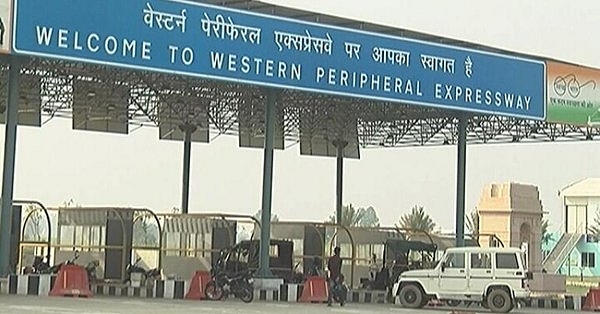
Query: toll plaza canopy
[(268, 74), (382, 68), (219, 45)]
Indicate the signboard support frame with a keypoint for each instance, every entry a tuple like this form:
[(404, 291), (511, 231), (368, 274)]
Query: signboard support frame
[(265, 220), (8, 175), (187, 129), (460, 179), (340, 145)]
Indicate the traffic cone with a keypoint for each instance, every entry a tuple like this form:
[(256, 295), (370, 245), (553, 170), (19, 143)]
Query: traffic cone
[(315, 289), (197, 285), (72, 280)]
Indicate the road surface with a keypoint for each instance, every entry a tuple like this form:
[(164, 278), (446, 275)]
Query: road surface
[(99, 305)]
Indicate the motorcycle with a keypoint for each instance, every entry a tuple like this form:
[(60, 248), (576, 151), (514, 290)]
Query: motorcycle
[(153, 273), (41, 267), (37, 267), (222, 285), (90, 269), (297, 276), (54, 269), (146, 274)]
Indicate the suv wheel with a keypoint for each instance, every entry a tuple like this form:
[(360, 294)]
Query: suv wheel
[(499, 301), (411, 296)]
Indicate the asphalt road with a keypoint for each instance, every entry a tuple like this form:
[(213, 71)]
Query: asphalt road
[(99, 305)]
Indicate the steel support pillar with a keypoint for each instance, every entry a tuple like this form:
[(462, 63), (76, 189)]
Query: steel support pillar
[(339, 145), (187, 130), (10, 141), (460, 180), (264, 270)]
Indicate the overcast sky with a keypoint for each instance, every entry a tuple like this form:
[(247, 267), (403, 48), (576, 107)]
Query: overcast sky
[(55, 163)]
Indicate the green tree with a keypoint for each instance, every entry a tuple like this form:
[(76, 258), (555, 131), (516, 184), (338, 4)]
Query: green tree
[(472, 224), (145, 232), (417, 220), (357, 217), (370, 218), (595, 228), (546, 235), (35, 226)]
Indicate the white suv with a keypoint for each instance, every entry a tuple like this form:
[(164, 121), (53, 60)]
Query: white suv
[(496, 277)]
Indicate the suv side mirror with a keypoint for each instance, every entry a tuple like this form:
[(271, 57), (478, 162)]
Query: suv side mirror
[(443, 266)]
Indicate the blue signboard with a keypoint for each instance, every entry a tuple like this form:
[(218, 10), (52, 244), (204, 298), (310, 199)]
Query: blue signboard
[(213, 42)]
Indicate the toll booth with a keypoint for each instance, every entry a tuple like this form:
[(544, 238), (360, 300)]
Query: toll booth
[(192, 242), (313, 245), (31, 233), (308, 241), (104, 234), (364, 242), (244, 256)]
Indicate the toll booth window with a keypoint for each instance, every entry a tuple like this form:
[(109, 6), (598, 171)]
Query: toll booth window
[(346, 251), (96, 236), (481, 261), (192, 240), (363, 253), (274, 251), (455, 260), (507, 261), (172, 241), (81, 236), (67, 235), (89, 236)]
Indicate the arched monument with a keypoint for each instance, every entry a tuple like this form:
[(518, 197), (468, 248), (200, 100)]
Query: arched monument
[(513, 212)]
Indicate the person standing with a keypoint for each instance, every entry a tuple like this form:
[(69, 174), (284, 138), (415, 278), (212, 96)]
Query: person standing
[(334, 265), (373, 268)]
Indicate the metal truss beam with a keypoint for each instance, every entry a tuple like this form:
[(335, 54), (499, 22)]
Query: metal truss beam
[(377, 124)]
